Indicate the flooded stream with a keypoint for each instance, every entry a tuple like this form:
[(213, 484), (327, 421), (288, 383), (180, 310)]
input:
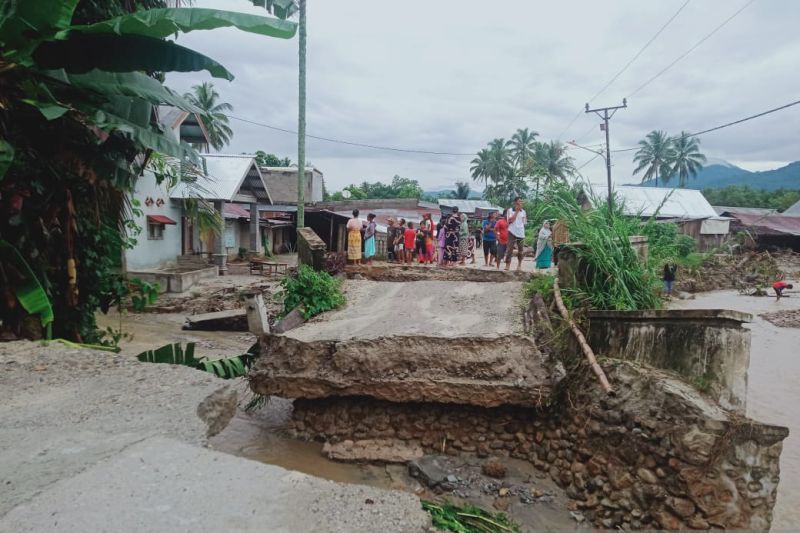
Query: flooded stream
[(773, 394)]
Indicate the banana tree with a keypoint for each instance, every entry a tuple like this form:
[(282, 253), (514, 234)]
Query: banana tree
[(78, 99)]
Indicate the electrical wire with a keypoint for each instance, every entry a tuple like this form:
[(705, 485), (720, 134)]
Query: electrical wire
[(727, 124), (627, 65), (350, 143), (690, 50)]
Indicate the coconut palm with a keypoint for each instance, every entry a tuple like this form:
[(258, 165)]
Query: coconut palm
[(206, 97), (462, 190), (654, 156), (500, 160), (479, 166), (686, 159), (523, 148), (553, 162)]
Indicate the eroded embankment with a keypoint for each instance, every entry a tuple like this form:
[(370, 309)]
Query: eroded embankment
[(485, 371), (658, 454)]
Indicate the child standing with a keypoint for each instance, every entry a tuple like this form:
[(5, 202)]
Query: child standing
[(669, 278), (399, 239), (410, 237)]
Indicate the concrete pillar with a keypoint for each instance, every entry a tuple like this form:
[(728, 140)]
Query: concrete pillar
[(220, 254), (255, 241), (257, 321)]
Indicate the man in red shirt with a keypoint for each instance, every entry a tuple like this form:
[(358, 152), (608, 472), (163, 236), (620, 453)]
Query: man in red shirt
[(409, 237), (501, 230), (779, 286)]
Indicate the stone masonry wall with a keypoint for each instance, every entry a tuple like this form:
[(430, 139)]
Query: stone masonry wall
[(656, 455)]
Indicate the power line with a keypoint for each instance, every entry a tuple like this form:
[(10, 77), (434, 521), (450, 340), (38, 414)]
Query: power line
[(349, 143), (728, 124), (692, 49), (628, 64)]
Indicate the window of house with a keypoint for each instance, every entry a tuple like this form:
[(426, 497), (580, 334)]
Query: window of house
[(155, 231)]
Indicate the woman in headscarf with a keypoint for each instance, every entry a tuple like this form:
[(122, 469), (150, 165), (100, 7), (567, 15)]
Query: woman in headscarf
[(451, 244), (369, 238), (463, 238), (544, 246), (440, 241), (354, 226)]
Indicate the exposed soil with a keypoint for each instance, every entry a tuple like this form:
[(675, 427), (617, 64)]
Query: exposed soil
[(476, 273), (784, 319), (218, 294), (468, 370)]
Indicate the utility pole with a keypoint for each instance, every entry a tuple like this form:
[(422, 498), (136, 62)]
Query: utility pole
[(603, 112), (301, 120)]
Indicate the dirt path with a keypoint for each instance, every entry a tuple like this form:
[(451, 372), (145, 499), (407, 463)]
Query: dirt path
[(432, 308)]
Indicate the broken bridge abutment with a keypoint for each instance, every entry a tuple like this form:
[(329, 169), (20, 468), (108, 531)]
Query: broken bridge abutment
[(659, 454)]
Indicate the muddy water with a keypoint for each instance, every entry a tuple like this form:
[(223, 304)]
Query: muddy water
[(773, 393)]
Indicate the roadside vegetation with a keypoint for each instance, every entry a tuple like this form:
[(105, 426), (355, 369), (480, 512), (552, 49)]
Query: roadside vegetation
[(746, 196), (310, 291), (468, 519)]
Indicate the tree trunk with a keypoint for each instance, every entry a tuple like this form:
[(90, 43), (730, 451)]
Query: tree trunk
[(587, 350), (301, 120)]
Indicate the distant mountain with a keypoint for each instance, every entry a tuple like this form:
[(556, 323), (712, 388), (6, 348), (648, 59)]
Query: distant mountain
[(440, 191), (719, 173)]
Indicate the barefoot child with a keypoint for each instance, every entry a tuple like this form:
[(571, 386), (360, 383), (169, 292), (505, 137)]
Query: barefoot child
[(410, 237)]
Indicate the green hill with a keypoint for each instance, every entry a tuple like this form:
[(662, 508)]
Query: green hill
[(720, 174)]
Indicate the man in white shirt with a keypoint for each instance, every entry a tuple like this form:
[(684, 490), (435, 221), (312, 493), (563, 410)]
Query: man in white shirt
[(516, 232)]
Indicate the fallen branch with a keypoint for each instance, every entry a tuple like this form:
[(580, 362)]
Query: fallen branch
[(587, 350)]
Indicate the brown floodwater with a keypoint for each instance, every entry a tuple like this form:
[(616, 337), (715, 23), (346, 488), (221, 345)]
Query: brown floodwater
[(773, 389)]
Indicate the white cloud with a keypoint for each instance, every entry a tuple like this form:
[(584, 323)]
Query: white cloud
[(451, 75)]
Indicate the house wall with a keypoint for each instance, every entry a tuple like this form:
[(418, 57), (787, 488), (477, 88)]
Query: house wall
[(148, 254)]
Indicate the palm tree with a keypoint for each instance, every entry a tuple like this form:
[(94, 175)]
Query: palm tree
[(479, 169), (654, 156), (500, 160), (686, 160), (214, 118), (462, 190), (523, 148), (553, 162)]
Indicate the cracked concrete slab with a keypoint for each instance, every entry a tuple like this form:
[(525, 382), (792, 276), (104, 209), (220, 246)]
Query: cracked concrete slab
[(164, 485)]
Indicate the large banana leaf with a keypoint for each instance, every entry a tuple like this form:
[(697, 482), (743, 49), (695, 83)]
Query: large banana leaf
[(160, 23), (22, 19), (145, 136), (123, 53), (173, 354), (133, 84), (282, 9), (6, 157), (30, 293)]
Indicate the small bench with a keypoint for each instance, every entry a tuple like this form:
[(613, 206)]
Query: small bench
[(271, 268)]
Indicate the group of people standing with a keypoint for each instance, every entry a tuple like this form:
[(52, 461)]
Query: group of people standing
[(450, 242)]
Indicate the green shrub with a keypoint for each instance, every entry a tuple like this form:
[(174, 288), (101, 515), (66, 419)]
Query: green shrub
[(684, 245), (315, 292), (539, 285), (468, 519)]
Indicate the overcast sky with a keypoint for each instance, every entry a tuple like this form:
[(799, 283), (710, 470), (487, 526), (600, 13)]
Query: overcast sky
[(451, 75)]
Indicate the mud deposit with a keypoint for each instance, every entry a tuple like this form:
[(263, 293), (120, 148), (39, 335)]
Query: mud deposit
[(397, 273), (784, 319)]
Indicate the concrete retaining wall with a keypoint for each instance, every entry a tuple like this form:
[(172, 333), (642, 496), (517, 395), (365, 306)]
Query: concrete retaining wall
[(710, 348), (174, 280), (310, 249)]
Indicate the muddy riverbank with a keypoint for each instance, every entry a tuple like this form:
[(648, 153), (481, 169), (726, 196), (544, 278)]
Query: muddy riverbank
[(773, 394)]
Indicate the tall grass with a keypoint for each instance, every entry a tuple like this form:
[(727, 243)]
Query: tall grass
[(611, 275)]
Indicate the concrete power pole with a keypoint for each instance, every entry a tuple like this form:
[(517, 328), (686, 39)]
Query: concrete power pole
[(603, 112), (301, 120)]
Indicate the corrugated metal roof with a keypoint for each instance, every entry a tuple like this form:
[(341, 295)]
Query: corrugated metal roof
[(646, 201), (236, 211), (793, 210), (771, 224), (721, 209), (467, 206), (226, 176)]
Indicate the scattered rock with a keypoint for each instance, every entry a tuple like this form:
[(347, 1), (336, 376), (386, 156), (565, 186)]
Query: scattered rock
[(494, 469), (577, 516)]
